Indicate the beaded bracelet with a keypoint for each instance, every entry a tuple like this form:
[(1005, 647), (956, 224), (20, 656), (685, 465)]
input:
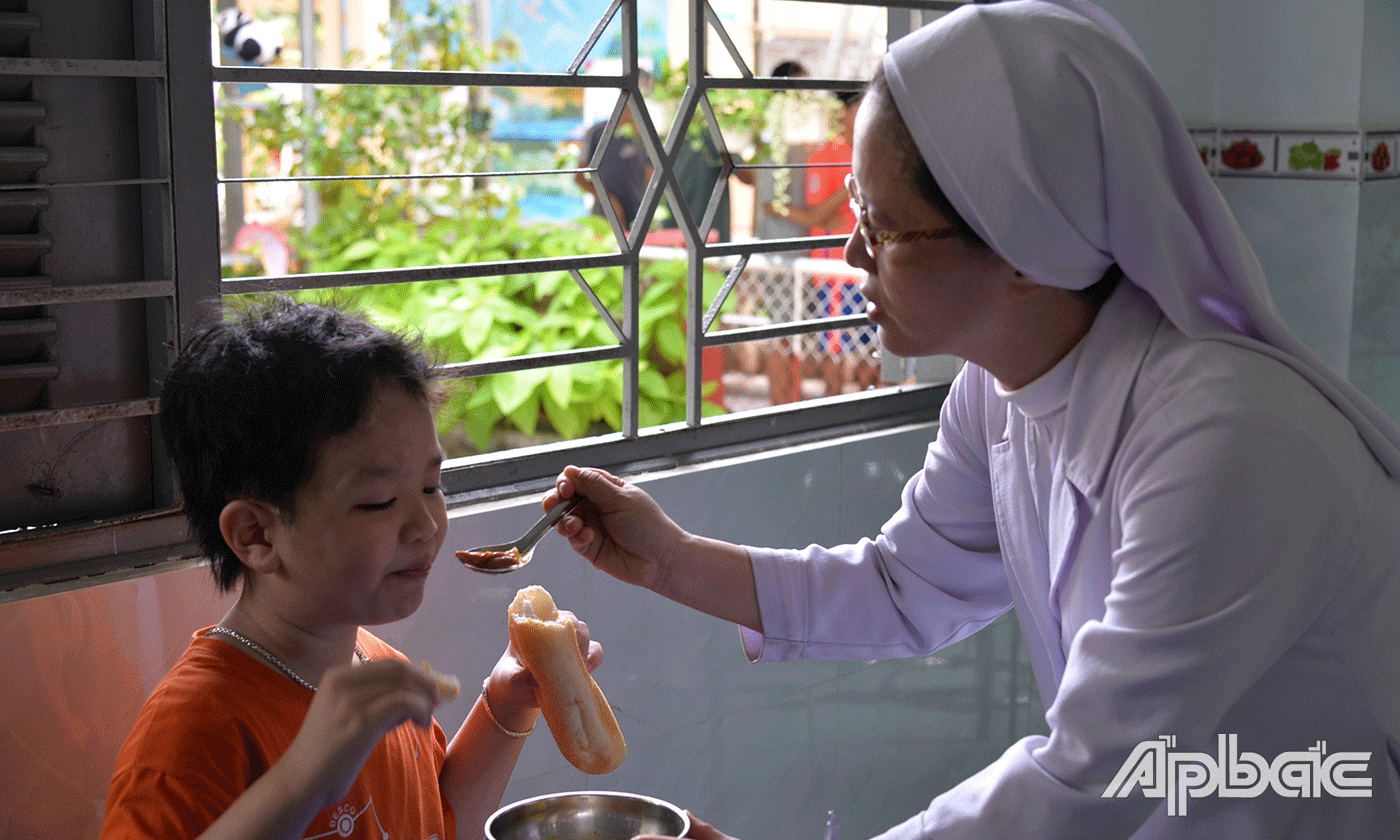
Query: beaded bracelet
[(486, 704)]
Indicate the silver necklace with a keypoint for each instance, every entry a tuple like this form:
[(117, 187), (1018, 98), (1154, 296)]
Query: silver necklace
[(279, 664)]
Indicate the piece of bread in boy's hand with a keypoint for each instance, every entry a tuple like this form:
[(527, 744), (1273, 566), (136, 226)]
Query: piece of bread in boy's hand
[(573, 705), (448, 686)]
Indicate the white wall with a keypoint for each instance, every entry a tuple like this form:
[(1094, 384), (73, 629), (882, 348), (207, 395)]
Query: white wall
[(1328, 247), (762, 751)]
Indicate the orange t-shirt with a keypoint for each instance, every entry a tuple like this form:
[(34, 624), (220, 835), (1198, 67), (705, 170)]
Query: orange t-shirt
[(822, 181), (220, 718)]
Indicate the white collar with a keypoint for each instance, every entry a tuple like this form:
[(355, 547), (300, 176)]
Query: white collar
[(1049, 392)]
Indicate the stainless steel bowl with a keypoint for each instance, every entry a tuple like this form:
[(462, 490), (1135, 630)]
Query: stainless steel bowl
[(586, 815)]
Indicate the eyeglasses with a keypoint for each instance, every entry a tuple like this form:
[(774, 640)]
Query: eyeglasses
[(875, 238)]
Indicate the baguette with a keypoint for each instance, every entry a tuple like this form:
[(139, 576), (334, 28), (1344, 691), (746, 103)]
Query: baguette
[(448, 686), (573, 705)]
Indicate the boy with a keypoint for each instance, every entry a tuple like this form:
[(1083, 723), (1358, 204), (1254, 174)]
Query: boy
[(305, 447)]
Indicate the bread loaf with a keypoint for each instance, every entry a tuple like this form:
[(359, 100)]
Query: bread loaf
[(448, 686), (573, 705)]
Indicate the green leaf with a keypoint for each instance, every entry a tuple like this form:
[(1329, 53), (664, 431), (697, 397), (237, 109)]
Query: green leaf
[(709, 409), (356, 251), (559, 385), (659, 293), (476, 330), (480, 427), (441, 323), (551, 283), (526, 416), (652, 383), (568, 421), (555, 321), (514, 388), (508, 311), (611, 414), (650, 413), (669, 338), (482, 398), (600, 332)]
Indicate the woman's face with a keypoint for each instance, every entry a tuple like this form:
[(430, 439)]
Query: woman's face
[(927, 297)]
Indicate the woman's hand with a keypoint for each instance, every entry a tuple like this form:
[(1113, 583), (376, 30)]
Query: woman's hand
[(620, 529), (699, 830)]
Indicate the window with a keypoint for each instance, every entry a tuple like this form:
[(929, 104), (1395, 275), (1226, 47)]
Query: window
[(135, 199)]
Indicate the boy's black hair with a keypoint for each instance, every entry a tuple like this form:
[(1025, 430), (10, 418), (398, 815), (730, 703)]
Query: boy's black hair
[(250, 399)]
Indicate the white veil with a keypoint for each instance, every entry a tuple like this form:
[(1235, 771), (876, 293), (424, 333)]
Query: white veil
[(1050, 135)]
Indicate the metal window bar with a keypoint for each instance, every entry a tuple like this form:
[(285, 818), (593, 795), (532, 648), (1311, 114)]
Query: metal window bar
[(627, 348), (31, 549), (183, 276), (662, 153)]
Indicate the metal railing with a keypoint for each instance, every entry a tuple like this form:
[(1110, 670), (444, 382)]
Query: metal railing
[(180, 170)]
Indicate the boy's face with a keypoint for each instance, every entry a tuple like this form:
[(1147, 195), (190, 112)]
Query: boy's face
[(368, 521)]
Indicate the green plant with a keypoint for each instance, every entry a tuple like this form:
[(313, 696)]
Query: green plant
[(367, 137), (501, 317), (371, 222)]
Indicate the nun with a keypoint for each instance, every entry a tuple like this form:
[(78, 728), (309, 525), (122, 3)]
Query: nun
[(1196, 521)]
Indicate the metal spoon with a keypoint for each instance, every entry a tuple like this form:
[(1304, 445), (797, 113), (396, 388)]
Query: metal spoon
[(507, 557)]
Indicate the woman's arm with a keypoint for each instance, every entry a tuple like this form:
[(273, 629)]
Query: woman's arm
[(621, 530)]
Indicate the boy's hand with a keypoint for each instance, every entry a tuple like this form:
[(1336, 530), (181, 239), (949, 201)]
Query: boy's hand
[(511, 686), (354, 708)]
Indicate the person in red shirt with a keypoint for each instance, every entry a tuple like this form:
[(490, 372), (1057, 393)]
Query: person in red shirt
[(828, 209), (828, 212)]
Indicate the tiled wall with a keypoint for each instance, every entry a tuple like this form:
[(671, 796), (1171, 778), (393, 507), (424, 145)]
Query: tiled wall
[(1277, 77), (1375, 362), (759, 750)]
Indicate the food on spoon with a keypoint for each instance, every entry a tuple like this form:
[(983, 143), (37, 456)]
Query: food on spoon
[(448, 686), (573, 705), (490, 559)]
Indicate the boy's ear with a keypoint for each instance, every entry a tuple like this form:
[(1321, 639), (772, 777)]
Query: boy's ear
[(246, 525)]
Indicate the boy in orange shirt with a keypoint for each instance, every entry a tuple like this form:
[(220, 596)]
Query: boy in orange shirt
[(307, 454)]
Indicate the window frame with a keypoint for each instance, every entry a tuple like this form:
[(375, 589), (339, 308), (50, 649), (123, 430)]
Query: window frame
[(156, 539)]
